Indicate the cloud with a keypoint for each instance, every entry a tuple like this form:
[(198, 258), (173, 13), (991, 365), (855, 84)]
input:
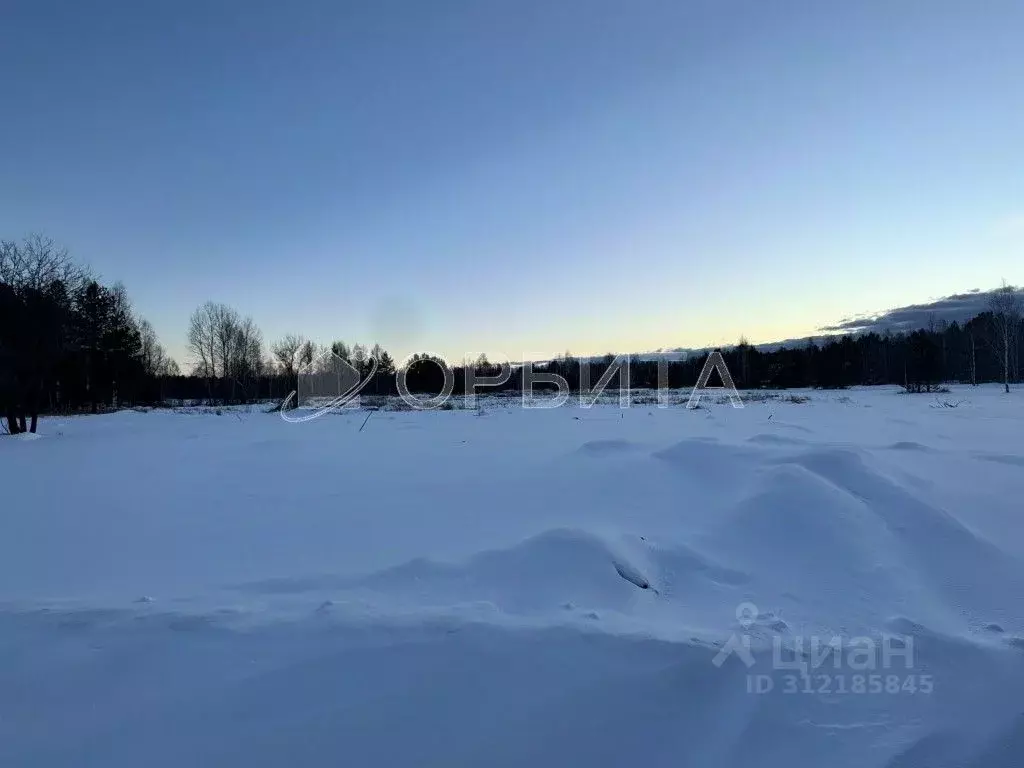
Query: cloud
[(959, 307)]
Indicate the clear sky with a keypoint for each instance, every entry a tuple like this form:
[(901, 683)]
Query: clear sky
[(520, 177)]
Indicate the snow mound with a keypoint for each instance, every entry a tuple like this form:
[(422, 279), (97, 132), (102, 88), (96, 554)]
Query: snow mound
[(794, 525), (537, 577)]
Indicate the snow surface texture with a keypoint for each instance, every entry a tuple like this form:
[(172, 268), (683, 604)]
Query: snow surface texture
[(467, 588)]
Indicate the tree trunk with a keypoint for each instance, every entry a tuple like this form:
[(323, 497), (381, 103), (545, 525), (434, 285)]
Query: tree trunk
[(12, 422), (974, 367), (21, 423), (1006, 365), (33, 406)]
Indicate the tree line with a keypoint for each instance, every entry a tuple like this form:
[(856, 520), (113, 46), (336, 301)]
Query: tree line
[(232, 366), (70, 343)]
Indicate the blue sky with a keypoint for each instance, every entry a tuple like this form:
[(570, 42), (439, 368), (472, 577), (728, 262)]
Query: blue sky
[(520, 178)]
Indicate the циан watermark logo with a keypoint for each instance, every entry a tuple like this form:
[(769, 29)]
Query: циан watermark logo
[(819, 664)]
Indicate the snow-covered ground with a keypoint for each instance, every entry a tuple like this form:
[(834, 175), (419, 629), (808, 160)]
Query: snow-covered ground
[(463, 588)]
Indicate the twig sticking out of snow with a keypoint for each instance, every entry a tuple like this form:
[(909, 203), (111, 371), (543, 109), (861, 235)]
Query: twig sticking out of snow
[(947, 403), (325, 606), (369, 413), (633, 576)]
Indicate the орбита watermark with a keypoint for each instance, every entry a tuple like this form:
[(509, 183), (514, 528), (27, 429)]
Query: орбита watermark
[(327, 382), (819, 664)]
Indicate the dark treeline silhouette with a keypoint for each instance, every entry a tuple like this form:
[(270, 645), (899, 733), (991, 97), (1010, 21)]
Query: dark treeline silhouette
[(970, 353), (70, 343)]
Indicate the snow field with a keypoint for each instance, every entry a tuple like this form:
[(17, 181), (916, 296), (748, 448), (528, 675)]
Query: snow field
[(465, 588)]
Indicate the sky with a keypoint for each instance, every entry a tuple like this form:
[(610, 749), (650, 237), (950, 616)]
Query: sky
[(519, 178)]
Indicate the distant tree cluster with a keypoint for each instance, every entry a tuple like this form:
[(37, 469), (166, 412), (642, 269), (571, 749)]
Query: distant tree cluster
[(984, 349), (987, 348)]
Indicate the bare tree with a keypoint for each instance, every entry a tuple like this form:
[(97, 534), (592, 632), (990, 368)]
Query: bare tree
[(307, 354), (155, 360), (225, 332), (1005, 305), (246, 363), (286, 352), (37, 262), (226, 347), (974, 359), (202, 339), (152, 353), (743, 348)]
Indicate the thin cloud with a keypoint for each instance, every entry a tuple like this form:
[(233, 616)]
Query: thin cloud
[(959, 307)]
